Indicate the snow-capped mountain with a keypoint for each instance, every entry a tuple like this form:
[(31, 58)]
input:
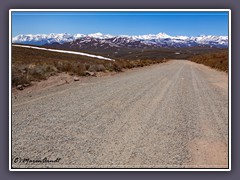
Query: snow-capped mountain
[(91, 43), (41, 39), (100, 40), (100, 35)]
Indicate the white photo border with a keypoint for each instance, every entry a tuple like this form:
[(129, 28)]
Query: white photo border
[(120, 10)]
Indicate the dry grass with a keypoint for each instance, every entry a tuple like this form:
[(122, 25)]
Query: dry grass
[(217, 60), (35, 65)]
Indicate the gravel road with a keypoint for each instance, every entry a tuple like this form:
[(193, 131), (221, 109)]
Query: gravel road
[(171, 115)]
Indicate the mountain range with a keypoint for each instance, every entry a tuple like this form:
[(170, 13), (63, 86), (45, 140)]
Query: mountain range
[(106, 41)]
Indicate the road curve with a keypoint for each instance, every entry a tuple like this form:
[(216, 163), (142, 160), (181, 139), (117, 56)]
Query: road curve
[(171, 115)]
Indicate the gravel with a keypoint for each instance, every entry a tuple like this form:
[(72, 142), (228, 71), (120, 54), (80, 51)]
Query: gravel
[(171, 115)]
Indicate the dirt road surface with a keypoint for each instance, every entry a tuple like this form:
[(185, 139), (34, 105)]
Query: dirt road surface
[(171, 115)]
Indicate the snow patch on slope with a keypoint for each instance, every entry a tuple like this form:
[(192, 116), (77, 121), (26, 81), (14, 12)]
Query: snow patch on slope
[(68, 52)]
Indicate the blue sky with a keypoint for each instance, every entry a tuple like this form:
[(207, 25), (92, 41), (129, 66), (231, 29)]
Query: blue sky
[(118, 23)]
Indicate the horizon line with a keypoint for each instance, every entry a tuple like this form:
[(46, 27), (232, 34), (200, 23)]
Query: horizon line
[(116, 34)]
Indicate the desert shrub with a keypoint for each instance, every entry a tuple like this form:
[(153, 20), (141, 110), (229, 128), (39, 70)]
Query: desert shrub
[(66, 66), (215, 60), (109, 66), (38, 73), (117, 67), (124, 64), (19, 76), (92, 68), (79, 69), (100, 67), (128, 65), (87, 66)]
